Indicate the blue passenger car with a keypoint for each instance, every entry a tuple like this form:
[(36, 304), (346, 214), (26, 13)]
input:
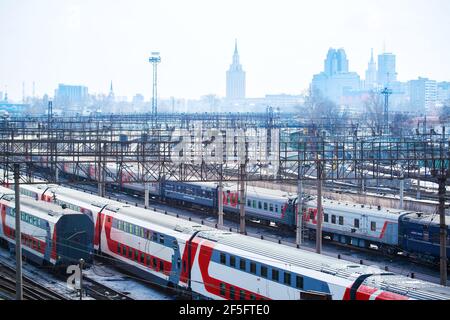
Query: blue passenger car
[(419, 235)]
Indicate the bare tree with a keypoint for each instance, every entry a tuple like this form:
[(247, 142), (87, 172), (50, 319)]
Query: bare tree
[(321, 111), (374, 113)]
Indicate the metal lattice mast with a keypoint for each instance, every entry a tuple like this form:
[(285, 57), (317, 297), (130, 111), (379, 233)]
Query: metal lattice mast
[(154, 60)]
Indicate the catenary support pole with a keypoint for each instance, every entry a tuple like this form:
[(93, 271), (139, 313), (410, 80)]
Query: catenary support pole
[(242, 200), (299, 219), (19, 293), (220, 204), (443, 232), (319, 207)]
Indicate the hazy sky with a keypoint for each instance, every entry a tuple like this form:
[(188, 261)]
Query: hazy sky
[(282, 43)]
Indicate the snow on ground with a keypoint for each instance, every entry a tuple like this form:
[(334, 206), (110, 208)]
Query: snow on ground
[(134, 288)]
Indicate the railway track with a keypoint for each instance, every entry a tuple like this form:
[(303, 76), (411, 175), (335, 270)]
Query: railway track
[(99, 291), (31, 289)]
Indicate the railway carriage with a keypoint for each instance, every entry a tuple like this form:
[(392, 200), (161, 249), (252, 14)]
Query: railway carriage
[(354, 224), (50, 234), (419, 235)]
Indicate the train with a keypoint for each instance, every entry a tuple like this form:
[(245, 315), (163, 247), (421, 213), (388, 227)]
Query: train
[(392, 231), (208, 263), (50, 235)]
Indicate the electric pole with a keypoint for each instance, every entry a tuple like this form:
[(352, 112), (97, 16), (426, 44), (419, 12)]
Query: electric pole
[(19, 294)]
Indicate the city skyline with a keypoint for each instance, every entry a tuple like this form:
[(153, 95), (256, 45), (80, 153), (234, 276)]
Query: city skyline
[(72, 47)]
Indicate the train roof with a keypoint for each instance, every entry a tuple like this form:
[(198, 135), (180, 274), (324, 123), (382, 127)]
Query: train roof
[(272, 194), (50, 211), (425, 218), (357, 207)]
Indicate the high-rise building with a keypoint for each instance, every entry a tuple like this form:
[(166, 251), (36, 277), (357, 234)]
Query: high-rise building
[(443, 92), (336, 62), (371, 73), (423, 94), (336, 81), (386, 69), (235, 78), (69, 95)]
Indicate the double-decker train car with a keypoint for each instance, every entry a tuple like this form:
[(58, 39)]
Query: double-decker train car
[(50, 235), (215, 264)]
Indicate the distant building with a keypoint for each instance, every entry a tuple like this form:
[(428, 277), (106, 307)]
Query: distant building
[(235, 78), (423, 94), (386, 69), (443, 92), (336, 81), (68, 95), (371, 74)]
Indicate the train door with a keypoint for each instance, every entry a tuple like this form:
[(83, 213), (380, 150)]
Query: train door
[(364, 224)]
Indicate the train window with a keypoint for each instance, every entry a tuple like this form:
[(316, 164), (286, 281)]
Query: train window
[(223, 258), (233, 261), (259, 205), (161, 266), (299, 282), (341, 220), (254, 204), (222, 289), (242, 264), (252, 296), (241, 295), (264, 271), (109, 219), (333, 219), (287, 278), (265, 206), (161, 238), (311, 214), (249, 203), (276, 208), (325, 217), (271, 207), (142, 257), (253, 267), (124, 251), (155, 237), (275, 275), (373, 226), (148, 260), (136, 255), (232, 297), (356, 223), (154, 262), (118, 248)]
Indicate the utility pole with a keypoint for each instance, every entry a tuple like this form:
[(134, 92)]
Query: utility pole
[(298, 237), (154, 60), (242, 199), (386, 92), (443, 231), (81, 264), (299, 214), (402, 187), (18, 233), (220, 203), (319, 205)]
